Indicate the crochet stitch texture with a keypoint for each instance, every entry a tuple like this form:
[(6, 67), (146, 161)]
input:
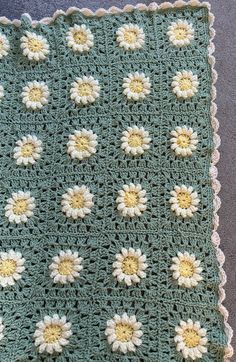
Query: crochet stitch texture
[(107, 202)]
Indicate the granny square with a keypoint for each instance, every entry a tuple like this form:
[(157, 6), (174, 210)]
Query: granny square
[(108, 191)]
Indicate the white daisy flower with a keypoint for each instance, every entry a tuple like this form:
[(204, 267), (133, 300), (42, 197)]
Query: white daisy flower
[(66, 267), (183, 141), (130, 266), (1, 329), (184, 201), (84, 90), (52, 334), (20, 207), (185, 84), (35, 95), (35, 47), (131, 200), (82, 144), (135, 141), (136, 86), (130, 37), (124, 333), (11, 267), (79, 38), (4, 45), (1, 92), (180, 33), (27, 150), (186, 269), (77, 202), (191, 339)]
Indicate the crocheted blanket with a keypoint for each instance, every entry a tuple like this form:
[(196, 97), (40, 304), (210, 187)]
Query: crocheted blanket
[(109, 250)]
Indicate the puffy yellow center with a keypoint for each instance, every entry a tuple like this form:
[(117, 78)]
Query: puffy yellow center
[(130, 36), (124, 332), (52, 333), (35, 45), (130, 265), (80, 37), (85, 89), (180, 32), (191, 338), (20, 207), (7, 267), (135, 140), (131, 199), (27, 149), (35, 94), (184, 199), (183, 140), (186, 268), (77, 201), (66, 267), (82, 143), (185, 83), (136, 86)]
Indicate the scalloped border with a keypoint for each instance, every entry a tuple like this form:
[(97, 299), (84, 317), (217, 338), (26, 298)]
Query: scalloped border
[(215, 238)]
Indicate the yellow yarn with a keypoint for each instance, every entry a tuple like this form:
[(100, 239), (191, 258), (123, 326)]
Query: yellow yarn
[(7, 267), (185, 84), (130, 36), (180, 32), (27, 149), (35, 94), (77, 201), (124, 332), (136, 86), (135, 140), (52, 333), (35, 45), (79, 37), (85, 89), (66, 267), (186, 268), (20, 207), (183, 140), (131, 199), (82, 143), (191, 338), (184, 199), (130, 265)]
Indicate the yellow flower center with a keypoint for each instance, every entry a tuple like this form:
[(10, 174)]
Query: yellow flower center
[(183, 140), (27, 149), (35, 95), (52, 333), (20, 207), (180, 32), (77, 201), (131, 199), (136, 86), (186, 268), (184, 199), (85, 89), (80, 37), (7, 267), (82, 143), (135, 140), (130, 36), (130, 265), (191, 338), (35, 45), (66, 267), (124, 332), (185, 83)]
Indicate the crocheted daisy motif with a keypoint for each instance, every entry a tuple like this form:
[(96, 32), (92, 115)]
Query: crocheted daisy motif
[(136, 86), (184, 141), (4, 45), (35, 95), (1, 92), (124, 333), (135, 141), (131, 200), (27, 150), (1, 329), (82, 144), (84, 90), (191, 339), (79, 38), (180, 33), (185, 84), (34, 47), (186, 269), (66, 267), (20, 207), (184, 201), (130, 37), (11, 267), (52, 334), (130, 266), (77, 202)]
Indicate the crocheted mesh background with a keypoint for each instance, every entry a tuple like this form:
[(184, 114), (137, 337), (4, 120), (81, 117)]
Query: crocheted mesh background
[(95, 296)]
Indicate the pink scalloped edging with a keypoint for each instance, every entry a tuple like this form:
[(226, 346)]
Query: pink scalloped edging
[(214, 121)]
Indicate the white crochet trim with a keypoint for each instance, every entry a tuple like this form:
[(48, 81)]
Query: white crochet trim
[(215, 124)]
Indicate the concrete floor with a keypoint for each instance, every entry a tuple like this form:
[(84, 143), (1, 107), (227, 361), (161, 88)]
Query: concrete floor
[(225, 25)]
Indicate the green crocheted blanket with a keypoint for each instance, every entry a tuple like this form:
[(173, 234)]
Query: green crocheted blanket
[(108, 190)]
